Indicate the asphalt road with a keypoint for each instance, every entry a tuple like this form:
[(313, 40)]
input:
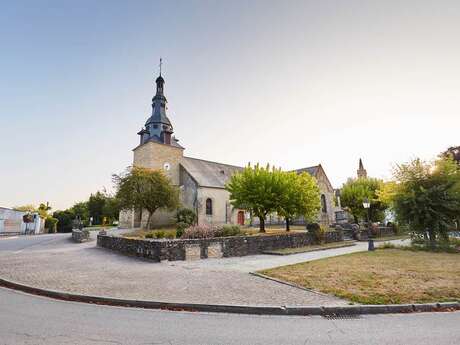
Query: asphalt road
[(26, 319)]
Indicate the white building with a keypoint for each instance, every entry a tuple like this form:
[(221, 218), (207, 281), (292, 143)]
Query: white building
[(11, 222)]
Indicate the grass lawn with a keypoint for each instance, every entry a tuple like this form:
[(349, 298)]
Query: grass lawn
[(390, 238), (312, 248), (380, 277)]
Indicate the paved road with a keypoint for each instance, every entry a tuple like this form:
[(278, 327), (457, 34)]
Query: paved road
[(31, 320)]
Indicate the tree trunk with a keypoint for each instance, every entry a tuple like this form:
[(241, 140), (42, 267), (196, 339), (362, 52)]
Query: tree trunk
[(287, 224), (262, 224), (148, 220)]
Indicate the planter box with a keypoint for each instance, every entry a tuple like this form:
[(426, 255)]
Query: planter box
[(192, 249)]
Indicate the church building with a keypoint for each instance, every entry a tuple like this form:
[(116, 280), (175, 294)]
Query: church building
[(201, 182)]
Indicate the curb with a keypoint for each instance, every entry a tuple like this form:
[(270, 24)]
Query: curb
[(237, 309)]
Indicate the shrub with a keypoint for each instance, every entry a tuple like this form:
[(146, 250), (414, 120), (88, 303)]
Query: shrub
[(51, 224), (150, 234), (387, 245), (181, 226), (169, 235), (159, 234), (318, 232), (199, 231), (187, 216), (228, 230)]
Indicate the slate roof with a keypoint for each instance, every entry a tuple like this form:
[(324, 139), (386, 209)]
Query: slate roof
[(216, 175), (311, 170), (209, 174)]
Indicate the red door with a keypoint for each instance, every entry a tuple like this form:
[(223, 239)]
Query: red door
[(240, 218)]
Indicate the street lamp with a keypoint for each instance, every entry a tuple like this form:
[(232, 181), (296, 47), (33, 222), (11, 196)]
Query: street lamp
[(370, 240)]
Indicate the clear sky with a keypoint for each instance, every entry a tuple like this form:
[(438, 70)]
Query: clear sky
[(293, 83)]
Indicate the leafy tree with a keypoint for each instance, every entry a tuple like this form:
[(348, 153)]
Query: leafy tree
[(354, 191), (65, 220), (299, 197), (96, 204), (257, 190), (43, 210), (427, 197), (148, 189), (25, 208), (81, 209), (453, 153), (111, 208)]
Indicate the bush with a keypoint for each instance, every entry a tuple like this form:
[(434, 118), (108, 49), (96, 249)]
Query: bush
[(169, 235), (318, 232), (51, 224), (199, 231), (187, 216), (150, 235), (65, 220), (159, 234), (228, 230), (181, 226)]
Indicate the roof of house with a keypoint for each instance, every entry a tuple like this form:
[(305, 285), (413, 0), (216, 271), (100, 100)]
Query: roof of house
[(207, 173), (311, 170)]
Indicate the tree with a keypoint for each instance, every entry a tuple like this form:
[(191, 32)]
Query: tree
[(96, 206), (257, 190), (148, 189), (65, 220), (25, 208), (354, 191), (111, 208), (80, 209), (427, 197), (43, 210), (453, 153), (300, 197)]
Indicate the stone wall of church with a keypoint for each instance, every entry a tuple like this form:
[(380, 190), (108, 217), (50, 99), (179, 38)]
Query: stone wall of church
[(154, 156), (221, 210), (325, 189)]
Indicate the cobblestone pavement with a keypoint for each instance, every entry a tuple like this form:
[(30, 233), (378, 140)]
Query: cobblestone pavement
[(59, 264)]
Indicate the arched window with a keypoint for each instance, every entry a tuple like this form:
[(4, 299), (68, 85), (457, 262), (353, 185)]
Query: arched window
[(323, 203), (208, 207)]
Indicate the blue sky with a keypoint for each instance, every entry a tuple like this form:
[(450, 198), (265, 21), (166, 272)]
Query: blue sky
[(293, 83)]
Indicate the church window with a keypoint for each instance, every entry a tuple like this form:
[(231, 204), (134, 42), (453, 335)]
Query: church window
[(155, 126), (323, 203), (208, 207)]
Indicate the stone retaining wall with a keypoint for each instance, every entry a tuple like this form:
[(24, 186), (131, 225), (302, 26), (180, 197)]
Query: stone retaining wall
[(193, 249), (80, 235)]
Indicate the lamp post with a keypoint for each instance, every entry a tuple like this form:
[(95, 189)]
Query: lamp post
[(370, 240)]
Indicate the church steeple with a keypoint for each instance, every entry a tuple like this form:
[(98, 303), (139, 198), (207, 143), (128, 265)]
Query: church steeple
[(158, 127), (362, 173)]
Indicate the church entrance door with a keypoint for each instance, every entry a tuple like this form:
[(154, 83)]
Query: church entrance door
[(240, 218)]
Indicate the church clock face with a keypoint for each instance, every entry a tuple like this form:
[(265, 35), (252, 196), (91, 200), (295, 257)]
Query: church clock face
[(166, 166)]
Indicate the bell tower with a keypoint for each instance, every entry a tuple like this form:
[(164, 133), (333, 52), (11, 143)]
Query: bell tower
[(361, 172)]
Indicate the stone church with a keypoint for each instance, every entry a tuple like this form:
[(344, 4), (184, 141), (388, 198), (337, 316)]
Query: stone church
[(201, 182)]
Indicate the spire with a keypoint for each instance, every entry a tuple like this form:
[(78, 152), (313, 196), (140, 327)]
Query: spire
[(158, 127), (362, 173)]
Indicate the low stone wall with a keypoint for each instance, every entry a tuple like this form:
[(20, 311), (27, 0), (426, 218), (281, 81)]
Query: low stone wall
[(381, 232), (80, 235), (194, 249)]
